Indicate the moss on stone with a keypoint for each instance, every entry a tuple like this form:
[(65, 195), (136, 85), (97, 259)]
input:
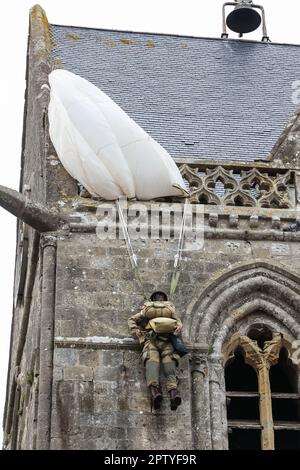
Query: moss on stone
[(73, 37)]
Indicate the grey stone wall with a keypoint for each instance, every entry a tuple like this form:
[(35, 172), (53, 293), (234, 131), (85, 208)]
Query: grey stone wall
[(96, 292), (30, 374), (99, 396), (100, 401), (24, 369), (286, 150), (247, 272), (41, 169), (44, 180)]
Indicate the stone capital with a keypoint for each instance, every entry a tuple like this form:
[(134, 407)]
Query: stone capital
[(48, 240), (199, 364)]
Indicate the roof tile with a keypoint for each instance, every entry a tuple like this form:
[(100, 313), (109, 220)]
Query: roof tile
[(199, 98)]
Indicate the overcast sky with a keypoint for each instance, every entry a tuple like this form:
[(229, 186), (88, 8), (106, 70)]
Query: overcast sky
[(189, 17)]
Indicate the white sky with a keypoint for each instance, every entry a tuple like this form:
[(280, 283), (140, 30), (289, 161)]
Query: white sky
[(190, 17)]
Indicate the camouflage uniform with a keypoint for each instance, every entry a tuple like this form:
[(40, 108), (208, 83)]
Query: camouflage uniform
[(156, 349)]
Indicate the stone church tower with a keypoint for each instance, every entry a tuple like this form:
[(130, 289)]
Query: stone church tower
[(220, 107)]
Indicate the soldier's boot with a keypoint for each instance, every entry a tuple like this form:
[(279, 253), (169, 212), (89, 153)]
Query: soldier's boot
[(156, 397), (175, 399)]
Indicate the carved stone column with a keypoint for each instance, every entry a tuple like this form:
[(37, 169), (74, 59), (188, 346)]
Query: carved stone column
[(265, 408), (48, 244), (200, 402), (262, 361), (216, 370), (297, 178), (270, 355)]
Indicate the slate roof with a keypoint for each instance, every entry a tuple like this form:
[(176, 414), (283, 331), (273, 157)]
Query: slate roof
[(198, 97)]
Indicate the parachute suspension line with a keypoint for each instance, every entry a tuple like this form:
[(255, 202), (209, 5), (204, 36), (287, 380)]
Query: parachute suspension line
[(178, 256), (132, 255)]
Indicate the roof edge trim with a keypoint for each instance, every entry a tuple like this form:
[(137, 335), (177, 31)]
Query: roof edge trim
[(184, 36)]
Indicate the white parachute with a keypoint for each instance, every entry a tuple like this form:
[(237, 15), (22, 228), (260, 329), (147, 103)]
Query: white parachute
[(103, 148)]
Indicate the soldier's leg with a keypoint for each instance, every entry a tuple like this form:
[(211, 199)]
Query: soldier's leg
[(169, 365), (152, 363)]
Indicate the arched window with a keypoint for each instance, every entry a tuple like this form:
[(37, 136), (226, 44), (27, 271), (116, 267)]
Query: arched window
[(262, 392), (242, 403), (285, 403)]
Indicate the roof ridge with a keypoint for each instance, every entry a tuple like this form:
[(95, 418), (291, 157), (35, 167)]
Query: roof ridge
[(182, 36)]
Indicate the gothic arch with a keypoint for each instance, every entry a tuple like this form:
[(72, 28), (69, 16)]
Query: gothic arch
[(261, 357), (237, 293), (279, 320), (253, 354), (225, 307)]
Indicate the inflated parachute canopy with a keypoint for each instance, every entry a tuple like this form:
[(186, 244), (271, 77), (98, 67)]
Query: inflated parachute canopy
[(103, 148)]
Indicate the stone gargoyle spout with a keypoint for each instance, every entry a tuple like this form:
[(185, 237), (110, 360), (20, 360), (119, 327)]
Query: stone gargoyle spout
[(34, 214)]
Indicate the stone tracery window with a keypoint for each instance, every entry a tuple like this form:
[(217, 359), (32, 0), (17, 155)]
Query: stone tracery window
[(262, 392)]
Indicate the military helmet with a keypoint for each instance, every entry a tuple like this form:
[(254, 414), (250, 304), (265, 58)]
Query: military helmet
[(153, 296)]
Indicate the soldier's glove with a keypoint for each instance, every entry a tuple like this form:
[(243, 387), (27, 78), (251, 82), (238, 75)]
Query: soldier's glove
[(178, 331)]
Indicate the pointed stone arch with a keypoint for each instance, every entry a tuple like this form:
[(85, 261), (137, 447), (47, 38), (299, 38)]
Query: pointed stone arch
[(224, 308), (235, 294)]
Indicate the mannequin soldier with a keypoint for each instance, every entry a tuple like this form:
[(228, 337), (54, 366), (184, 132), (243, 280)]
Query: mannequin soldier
[(157, 347)]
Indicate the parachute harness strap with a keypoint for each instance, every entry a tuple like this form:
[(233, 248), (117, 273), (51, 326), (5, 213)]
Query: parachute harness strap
[(178, 256), (132, 255)]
